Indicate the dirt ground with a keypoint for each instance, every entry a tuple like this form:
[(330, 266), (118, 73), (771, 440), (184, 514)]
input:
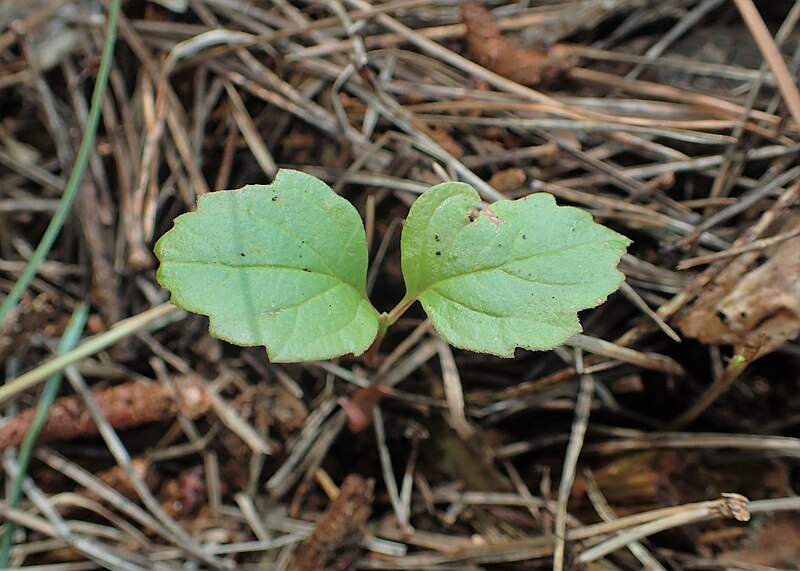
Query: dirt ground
[(665, 438)]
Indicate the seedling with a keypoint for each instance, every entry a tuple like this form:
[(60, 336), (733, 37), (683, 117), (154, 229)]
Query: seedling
[(285, 265)]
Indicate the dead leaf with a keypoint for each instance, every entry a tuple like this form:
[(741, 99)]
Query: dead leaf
[(755, 308), (496, 52), (775, 543)]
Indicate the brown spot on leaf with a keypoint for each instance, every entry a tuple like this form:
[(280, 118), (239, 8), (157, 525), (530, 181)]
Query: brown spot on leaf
[(492, 216)]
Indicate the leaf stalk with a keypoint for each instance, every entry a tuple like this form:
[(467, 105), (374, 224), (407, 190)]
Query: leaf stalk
[(386, 320)]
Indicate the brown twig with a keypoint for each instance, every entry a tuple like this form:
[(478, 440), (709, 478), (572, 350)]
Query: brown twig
[(124, 406)]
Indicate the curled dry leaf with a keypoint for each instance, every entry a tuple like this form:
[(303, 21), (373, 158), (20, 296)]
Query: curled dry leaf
[(496, 52), (755, 308), (124, 406)]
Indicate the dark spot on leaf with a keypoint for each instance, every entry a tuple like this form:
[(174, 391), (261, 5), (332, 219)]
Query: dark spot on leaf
[(438, 253), (241, 254), (524, 237), (306, 270), (436, 237), (274, 198)]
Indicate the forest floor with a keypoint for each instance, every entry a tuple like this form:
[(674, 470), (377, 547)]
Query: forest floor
[(667, 440)]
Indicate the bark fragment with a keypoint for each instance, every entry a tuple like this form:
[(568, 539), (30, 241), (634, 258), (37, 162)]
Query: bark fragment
[(335, 541)]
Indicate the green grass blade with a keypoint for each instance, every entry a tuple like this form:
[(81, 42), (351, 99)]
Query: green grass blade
[(76, 176), (72, 335)]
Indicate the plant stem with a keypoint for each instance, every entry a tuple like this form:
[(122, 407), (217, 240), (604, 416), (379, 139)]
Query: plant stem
[(70, 338), (386, 320)]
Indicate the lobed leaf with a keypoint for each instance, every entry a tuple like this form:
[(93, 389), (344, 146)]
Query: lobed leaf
[(281, 265), (513, 275)]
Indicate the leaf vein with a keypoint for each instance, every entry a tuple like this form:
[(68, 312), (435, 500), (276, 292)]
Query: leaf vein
[(507, 262), (539, 281), (470, 307), (302, 243), (270, 266)]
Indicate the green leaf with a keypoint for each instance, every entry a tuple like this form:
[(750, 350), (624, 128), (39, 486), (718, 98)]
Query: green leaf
[(282, 266), (514, 275)]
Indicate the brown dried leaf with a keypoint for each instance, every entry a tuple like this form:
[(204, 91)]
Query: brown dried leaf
[(125, 405), (754, 308), (635, 479), (499, 54), (776, 544)]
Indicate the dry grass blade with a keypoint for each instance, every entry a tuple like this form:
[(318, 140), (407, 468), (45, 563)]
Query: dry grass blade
[(731, 505), (645, 360), (453, 390), (583, 407), (773, 57), (601, 505)]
